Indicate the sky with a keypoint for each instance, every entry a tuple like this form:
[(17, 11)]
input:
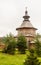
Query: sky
[(12, 12)]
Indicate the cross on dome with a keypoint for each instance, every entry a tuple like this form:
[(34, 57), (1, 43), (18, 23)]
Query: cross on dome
[(26, 11)]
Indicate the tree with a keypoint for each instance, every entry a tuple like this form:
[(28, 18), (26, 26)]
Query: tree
[(10, 43), (38, 45), (21, 44), (31, 59)]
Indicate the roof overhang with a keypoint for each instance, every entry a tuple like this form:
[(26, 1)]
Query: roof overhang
[(26, 28)]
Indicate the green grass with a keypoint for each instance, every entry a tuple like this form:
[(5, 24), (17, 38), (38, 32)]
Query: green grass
[(17, 59), (6, 59)]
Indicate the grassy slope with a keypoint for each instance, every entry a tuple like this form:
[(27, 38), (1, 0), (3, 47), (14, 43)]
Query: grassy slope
[(17, 59)]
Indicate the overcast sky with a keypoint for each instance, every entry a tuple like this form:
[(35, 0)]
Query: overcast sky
[(12, 11)]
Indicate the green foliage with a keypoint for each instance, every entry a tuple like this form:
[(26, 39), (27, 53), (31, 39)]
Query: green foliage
[(21, 44), (31, 59), (38, 48), (10, 43), (38, 45)]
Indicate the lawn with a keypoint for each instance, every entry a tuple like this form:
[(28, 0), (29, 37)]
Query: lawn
[(16, 59)]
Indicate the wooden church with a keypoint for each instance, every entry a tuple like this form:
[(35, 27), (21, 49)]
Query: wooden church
[(27, 29)]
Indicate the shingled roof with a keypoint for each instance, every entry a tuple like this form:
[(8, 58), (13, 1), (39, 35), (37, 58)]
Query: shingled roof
[(26, 23)]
